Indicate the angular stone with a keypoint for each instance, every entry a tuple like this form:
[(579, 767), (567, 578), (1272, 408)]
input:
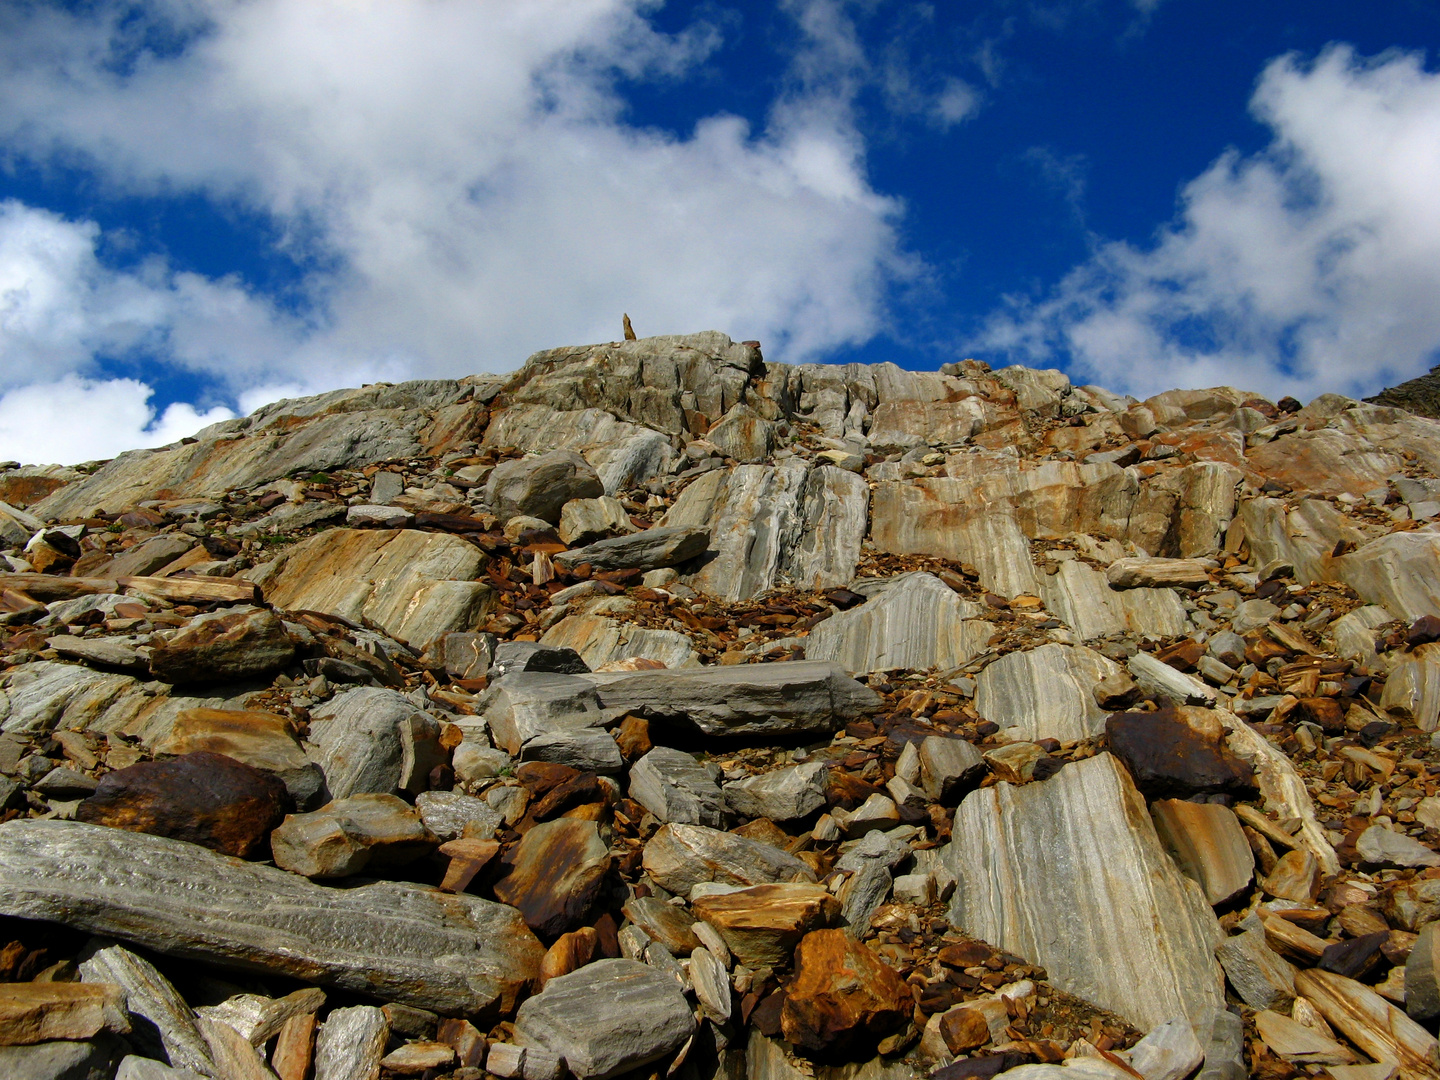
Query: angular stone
[(1151, 573), (450, 815), (536, 716), (414, 1059), (351, 1043), (465, 654), (360, 738), (223, 647), (1412, 689), (1400, 572), (1080, 596), (257, 1018), (104, 653), (781, 794), (170, 1031), (665, 923), (201, 798), (712, 985), (914, 621), (138, 1068), (949, 767), (1045, 693), (584, 521), (1385, 847), (1136, 936), (609, 1017), (1178, 752), (554, 875), (150, 555), (36, 1012), (344, 837), (843, 999), (1169, 1051), (675, 787), (397, 941), (648, 549), (541, 485), (761, 925), (414, 585), (861, 896), (1298, 1044), (1206, 842), (1166, 685), (798, 698), (774, 524), (1222, 1034), (602, 642), (534, 656), (679, 857), (379, 516)]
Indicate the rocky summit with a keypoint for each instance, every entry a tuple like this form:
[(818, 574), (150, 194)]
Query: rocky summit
[(658, 712)]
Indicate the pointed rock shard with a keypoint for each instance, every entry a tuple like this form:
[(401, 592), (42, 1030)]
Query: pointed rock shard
[(1044, 693), (398, 941), (350, 1044), (1206, 842), (1137, 939), (607, 1018), (171, 1031), (673, 786), (915, 621)]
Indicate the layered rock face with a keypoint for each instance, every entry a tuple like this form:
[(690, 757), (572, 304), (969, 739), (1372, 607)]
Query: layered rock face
[(655, 710)]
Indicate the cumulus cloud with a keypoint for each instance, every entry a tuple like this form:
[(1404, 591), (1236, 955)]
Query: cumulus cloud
[(459, 180), (1307, 268)]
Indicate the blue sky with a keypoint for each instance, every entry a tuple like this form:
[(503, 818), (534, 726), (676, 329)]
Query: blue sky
[(209, 204)]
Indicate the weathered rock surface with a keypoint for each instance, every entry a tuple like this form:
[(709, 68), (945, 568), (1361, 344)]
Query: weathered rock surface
[(673, 786), (762, 925), (554, 875), (607, 1018), (843, 997), (679, 857), (347, 836), (540, 486), (1045, 693), (780, 795), (537, 716), (650, 549), (414, 585), (916, 621), (1206, 842), (1141, 942), (202, 798), (373, 740), (401, 941)]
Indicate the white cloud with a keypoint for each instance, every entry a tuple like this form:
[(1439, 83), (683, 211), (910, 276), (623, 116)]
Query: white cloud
[(1310, 267), (462, 175), (75, 419)]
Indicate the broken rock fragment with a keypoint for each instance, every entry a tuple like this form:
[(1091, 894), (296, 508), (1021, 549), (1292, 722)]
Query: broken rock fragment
[(347, 836), (844, 999), (679, 857), (222, 647), (649, 549), (554, 875)]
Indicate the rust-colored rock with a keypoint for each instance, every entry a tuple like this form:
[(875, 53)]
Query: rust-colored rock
[(229, 646), (570, 952), (761, 924), (844, 999), (1178, 751), (203, 798), (554, 875)]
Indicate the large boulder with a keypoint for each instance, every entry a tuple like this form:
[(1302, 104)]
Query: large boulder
[(540, 486)]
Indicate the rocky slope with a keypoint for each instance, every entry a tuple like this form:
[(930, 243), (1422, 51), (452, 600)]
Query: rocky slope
[(657, 711)]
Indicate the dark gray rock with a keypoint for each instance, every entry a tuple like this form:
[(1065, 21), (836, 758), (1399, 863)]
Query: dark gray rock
[(650, 549), (88, 1059), (673, 786), (513, 656)]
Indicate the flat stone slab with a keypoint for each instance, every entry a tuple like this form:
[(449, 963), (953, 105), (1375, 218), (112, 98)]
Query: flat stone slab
[(1045, 693), (915, 621), (607, 1018), (650, 549), (1070, 874), (391, 940), (796, 698)]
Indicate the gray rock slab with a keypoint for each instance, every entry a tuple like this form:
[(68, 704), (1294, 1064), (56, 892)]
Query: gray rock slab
[(861, 896), (916, 621), (649, 549), (673, 786), (679, 857), (607, 1018), (1150, 573), (1261, 976), (538, 716), (1400, 572), (948, 766), (103, 653), (1222, 1034), (171, 1033), (393, 940), (1079, 596), (781, 794), (796, 698), (1070, 874), (1169, 1051), (601, 641), (1422, 988), (584, 521), (1386, 847), (139, 1068), (358, 740), (1045, 693)]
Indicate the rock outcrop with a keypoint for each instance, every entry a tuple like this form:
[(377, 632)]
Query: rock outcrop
[(657, 709)]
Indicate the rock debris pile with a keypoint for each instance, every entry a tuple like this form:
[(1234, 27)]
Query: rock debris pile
[(657, 712)]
